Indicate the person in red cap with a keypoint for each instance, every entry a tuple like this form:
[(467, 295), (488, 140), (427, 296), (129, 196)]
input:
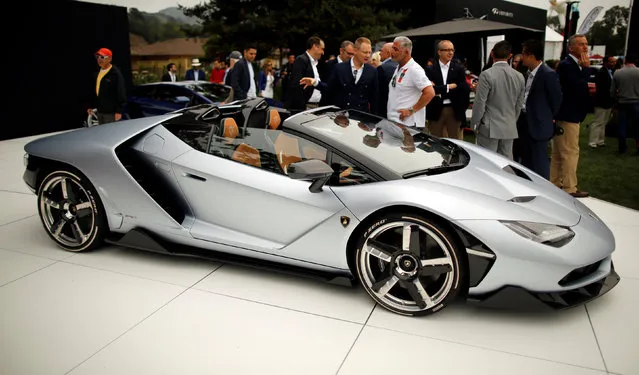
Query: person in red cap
[(109, 88)]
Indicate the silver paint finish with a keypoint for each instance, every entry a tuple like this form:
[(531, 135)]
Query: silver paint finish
[(247, 211), (265, 205)]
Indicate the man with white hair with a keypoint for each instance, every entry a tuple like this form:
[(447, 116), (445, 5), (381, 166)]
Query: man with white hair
[(409, 90), (233, 58)]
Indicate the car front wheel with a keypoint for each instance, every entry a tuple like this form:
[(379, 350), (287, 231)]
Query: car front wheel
[(409, 264), (70, 211)]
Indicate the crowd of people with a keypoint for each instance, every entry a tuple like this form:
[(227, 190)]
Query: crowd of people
[(521, 105)]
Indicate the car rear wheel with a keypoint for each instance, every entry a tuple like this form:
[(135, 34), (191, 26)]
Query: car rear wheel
[(71, 212), (409, 264)]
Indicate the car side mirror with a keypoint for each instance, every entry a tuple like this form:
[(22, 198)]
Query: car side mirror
[(315, 170)]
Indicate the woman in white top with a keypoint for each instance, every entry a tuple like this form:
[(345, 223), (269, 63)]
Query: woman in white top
[(267, 79)]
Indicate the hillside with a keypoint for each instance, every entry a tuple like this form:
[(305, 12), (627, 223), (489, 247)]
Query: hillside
[(176, 14), (166, 24)]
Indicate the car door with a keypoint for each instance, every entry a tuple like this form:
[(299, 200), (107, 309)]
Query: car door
[(240, 194)]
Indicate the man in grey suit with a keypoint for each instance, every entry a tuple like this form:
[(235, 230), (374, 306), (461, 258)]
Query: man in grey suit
[(498, 102)]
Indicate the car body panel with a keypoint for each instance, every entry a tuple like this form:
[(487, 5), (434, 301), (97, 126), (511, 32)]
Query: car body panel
[(214, 203), (240, 196)]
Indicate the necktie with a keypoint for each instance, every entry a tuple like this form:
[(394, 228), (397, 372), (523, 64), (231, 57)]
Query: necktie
[(355, 75)]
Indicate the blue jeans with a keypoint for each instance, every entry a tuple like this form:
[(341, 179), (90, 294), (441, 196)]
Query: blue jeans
[(628, 119)]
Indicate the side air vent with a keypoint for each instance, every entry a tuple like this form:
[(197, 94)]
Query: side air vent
[(150, 179), (522, 199), (517, 172)]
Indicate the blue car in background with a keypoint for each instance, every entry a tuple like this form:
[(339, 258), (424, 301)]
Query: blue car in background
[(158, 98)]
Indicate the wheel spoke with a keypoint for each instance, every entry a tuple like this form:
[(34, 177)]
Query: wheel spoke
[(83, 209), (437, 266), (381, 250), (77, 232), (56, 228), (418, 293), (410, 238), (49, 202), (385, 285)]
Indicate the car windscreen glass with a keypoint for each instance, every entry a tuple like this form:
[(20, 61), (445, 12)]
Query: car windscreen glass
[(212, 91), (407, 152)]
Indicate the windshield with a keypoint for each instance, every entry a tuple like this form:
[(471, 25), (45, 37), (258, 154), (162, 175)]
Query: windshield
[(406, 151), (214, 92)]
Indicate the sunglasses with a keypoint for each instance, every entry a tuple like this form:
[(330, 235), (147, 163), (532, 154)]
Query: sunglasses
[(101, 57), (394, 81)]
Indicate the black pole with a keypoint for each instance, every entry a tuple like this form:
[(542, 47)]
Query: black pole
[(567, 28)]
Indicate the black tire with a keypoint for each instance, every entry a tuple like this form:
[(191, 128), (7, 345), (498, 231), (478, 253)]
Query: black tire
[(414, 277), (71, 211)]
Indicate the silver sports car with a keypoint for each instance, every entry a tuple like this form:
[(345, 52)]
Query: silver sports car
[(339, 195)]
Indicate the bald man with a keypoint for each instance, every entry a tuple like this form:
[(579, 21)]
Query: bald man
[(384, 73)]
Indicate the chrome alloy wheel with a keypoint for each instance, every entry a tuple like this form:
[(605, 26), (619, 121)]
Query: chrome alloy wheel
[(67, 211), (409, 267)]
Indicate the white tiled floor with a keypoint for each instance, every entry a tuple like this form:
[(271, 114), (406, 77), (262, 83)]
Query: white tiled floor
[(121, 311)]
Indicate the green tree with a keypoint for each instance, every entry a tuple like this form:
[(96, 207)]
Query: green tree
[(271, 24), (611, 30)]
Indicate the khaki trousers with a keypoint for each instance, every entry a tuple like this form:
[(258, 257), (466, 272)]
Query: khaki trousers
[(565, 157), (447, 126), (597, 134)]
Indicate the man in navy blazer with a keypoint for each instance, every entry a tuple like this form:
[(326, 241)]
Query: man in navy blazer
[(244, 79), (306, 87), (354, 83), (447, 111), (573, 76), (542, 98), (195, 73)]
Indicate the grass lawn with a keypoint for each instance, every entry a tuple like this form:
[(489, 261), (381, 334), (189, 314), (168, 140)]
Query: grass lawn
[(603, 172)]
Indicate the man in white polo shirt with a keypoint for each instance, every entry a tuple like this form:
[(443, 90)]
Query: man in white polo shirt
[(409, 90)]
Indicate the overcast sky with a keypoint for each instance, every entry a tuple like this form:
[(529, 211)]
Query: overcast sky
[(156, 5)]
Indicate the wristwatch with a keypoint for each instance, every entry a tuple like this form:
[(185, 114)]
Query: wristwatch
[(411, 110)]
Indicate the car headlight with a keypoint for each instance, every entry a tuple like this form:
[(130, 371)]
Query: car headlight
[(547, 234), (25, 160)]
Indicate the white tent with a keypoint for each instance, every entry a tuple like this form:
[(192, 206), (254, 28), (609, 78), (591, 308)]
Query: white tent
[(554, 41)]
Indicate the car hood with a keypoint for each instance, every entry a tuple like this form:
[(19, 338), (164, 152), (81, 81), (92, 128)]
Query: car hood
[(490, 187), (497, 178)]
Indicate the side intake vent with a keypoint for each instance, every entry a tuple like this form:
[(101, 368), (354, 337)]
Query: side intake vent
[(517, 172), (152, 182)]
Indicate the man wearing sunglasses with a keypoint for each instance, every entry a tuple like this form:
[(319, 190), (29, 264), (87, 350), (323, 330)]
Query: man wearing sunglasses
[(109, 89), (409, 90)]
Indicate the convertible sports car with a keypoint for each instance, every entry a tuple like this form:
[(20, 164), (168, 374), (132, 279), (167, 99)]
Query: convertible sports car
[(339, 195)]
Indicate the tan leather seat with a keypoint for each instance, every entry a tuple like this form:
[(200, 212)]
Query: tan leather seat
[(287, 150), (274, 119), (248, 155), (230, 130)]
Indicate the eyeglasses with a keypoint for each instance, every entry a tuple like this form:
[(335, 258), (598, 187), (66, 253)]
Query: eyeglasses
[(448, 50)]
